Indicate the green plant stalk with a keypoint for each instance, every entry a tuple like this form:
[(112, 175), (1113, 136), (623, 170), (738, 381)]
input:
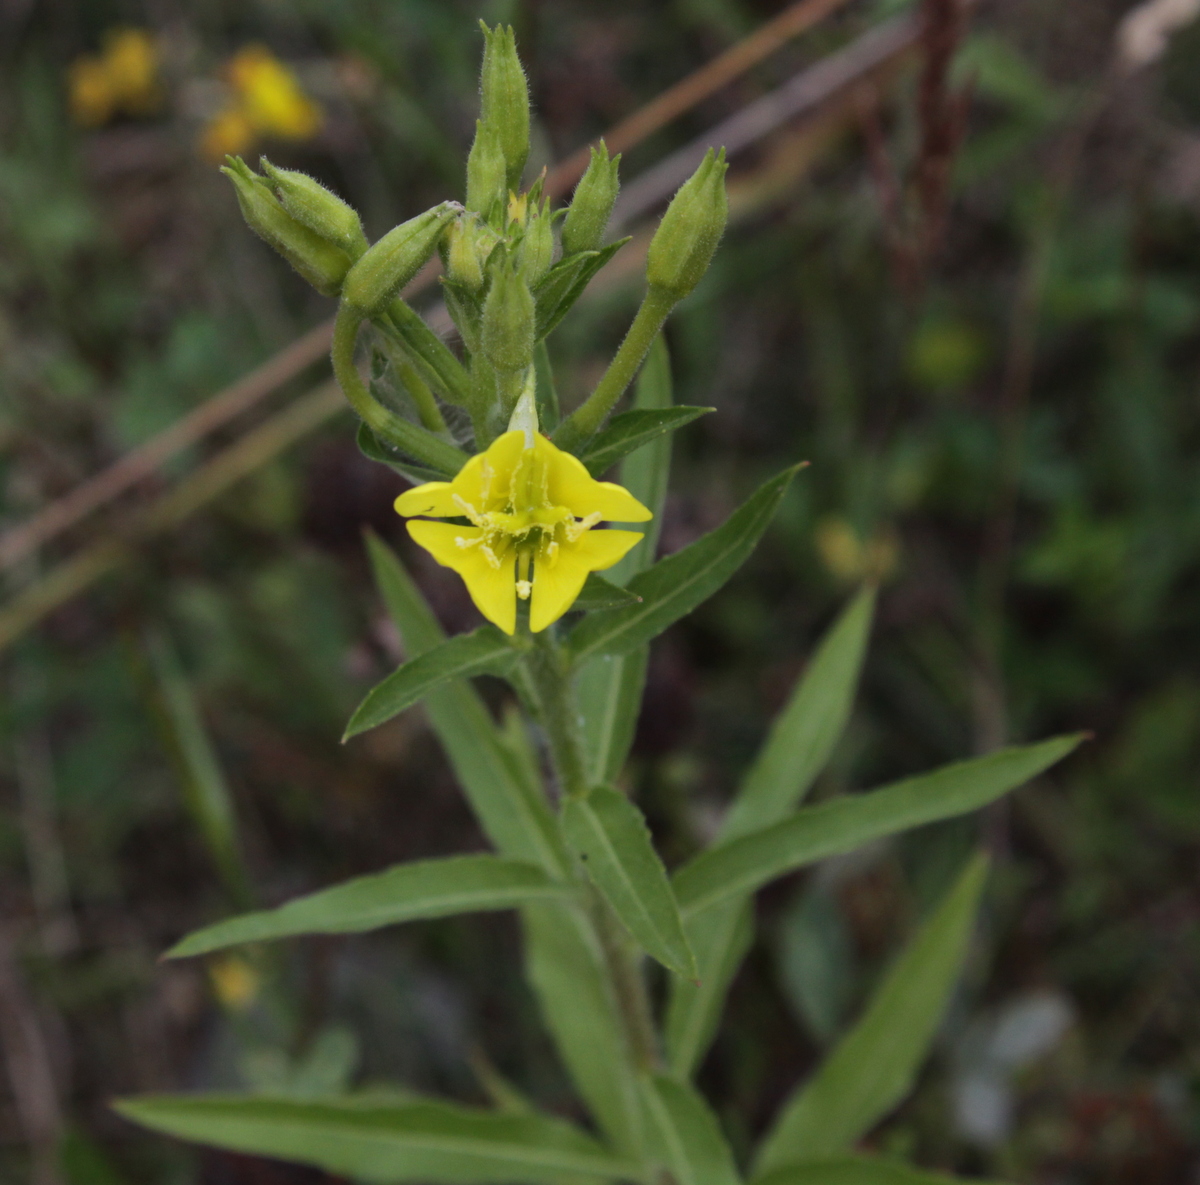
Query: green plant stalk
[(587, 419), (428, 351), (559, 715), (418, 389), (418, 442)]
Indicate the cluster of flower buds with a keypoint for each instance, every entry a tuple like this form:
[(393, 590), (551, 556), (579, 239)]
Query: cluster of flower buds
[(511, 265)]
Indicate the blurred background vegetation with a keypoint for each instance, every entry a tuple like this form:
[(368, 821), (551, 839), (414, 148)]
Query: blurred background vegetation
[(998, 393)]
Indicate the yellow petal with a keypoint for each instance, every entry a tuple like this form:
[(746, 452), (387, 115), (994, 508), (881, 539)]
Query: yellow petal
[(492, 588), (572, 486), (434, 497), (556, 587)]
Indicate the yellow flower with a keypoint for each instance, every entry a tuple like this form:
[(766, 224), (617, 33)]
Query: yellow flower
[(234, 981), (267, 101), (124, 78), (532, 511), (270, 95)]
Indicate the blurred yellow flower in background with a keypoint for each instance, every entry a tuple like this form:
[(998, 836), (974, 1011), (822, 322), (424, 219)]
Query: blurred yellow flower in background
[(266, 100), (235, 982), (121, 80), (852, 559)]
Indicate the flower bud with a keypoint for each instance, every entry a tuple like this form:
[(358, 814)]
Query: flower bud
[(321, 211), (508, 320), (396, 258), (683, 245), (505, 99), (319, 261), (537, 246), (486, 178), (592, 203), (460, 253)]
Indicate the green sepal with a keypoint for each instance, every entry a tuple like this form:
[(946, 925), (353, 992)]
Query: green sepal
[(486, 651), (630, 430), (674, 586), (564, 283), (405, 893), (610, 836)]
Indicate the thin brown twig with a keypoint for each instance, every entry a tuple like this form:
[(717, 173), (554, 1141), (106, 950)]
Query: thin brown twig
[(698, 86)]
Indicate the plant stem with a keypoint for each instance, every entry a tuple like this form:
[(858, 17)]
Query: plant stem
[(591, 414), (560, 718), (414, 440)]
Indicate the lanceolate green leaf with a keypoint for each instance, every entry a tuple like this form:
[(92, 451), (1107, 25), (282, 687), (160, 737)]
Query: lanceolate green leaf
[(798, 747), (633, 429), (720, 938), (486, 651), (685, 1136), (610, 835), (563, 961), (805, 732), (371, 1141), (513, 813), (599, 593), (610, 687), (675, 586), (385, 454), (874, 1066), (564, 283), (814, 833), (857, 1170), (423, 889), (565, 966)]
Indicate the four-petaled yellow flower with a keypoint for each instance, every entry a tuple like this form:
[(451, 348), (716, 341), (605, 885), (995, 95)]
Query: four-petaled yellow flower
[(532, 510)]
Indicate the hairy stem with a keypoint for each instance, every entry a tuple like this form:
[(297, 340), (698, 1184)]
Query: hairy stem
[(591, 414)]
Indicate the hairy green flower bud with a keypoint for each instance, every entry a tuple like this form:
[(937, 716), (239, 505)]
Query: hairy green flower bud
[(508, 320), (321, 211), (461, 255), (592, 203), (505, 98), (319, 261), (486, 173), (396, 258), (537, 246), (683, 245)]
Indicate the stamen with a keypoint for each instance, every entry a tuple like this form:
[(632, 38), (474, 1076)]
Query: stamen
[(524, 588), (463, 542), (492, 558), (468, 509)]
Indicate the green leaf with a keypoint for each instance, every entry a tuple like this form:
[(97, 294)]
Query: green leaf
[(566, 968), (720, 938), (609, 687), (513, 812), (675, 586), (599, 593), (805, 732), (546, 391), (381, 1142), (797, 749), (206, 794), (813, 833), (685, 1135), (423, 889), (856, 1170), (874, 1066), (375, 449), (486, 651), (610, 836), (633, 429), (564, 283)]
